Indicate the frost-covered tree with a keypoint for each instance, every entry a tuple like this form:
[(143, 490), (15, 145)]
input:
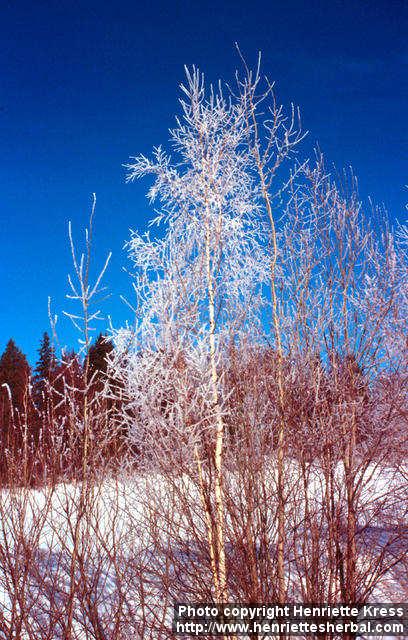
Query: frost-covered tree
[(199, 283), (241, 256), (203, 282)]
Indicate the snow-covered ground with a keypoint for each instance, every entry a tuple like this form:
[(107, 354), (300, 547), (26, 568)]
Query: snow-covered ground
[(101, 550)]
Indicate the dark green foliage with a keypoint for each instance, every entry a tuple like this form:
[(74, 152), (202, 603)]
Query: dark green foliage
[(15, 373), (14, 399), (97, 362), (44, 371)]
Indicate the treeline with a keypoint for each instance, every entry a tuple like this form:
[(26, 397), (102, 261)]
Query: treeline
[(42, 411)]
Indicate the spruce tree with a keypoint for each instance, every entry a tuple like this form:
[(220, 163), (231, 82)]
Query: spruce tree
[(15, 374), (14, 397), (97, 356), (44, 370)]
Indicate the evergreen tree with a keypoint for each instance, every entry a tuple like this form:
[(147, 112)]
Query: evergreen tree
[(14, 398), (68, 381), (44, 371), (15, 373), (97, 357)]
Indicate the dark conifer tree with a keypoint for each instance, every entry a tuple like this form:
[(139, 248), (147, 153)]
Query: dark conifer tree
[(15, 373), (109, 429), (98, 353), (44, 371), (14, 394), (97, 359)]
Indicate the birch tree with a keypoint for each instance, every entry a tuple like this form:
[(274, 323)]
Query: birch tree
[(199, 284)]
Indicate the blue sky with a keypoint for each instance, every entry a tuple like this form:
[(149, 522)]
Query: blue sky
[(84, 85)]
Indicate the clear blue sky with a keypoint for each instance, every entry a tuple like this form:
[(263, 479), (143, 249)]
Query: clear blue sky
[(84, 85)]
